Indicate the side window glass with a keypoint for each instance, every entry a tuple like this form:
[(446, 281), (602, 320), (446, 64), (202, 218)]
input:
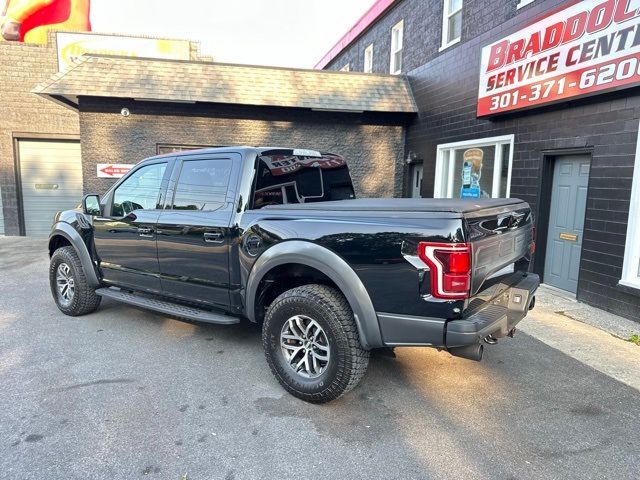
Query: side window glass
[(202, 185), (140, 191)]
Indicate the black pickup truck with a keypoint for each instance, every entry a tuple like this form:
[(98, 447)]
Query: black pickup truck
[(276, 236)]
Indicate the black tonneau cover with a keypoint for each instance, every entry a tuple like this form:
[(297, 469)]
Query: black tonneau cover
[(402, 205)]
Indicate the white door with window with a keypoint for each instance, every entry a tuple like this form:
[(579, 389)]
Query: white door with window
[(474, 168), (631, 266), (416, 181)]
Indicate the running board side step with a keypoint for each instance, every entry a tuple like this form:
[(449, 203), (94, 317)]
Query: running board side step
[(168, 308)]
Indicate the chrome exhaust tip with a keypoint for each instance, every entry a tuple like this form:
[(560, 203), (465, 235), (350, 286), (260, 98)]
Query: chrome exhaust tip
[(470, 352), (490, 340)]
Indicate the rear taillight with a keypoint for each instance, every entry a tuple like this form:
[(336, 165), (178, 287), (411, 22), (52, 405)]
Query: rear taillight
[(532, 245), (450, 265)]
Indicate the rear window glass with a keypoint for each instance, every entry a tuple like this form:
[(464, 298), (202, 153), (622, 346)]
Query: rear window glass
[(283, 178)]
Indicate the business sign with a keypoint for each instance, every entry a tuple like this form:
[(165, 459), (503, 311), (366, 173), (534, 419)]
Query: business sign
[(587, 47), (30, 21), (113, 170), (71, 47)]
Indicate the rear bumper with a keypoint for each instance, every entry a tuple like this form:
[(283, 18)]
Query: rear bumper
[(503, 309), (496, 319)]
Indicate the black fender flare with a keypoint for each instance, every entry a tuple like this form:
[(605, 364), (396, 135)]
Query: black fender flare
[(67, 231), (334, 267)]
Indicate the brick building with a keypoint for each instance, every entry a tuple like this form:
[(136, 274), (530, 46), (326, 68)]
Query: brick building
[(487, 124), (26, 116), (40, 153), (177, 105), (105, 114), (572, 157)]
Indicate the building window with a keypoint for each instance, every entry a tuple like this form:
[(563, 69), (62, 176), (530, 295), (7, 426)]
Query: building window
[(345, 68), (368, 59), (451, 23), (631, 266), (396, 47), (474, 169), (524, 3)]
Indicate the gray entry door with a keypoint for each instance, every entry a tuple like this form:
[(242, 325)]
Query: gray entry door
[(566, 221)]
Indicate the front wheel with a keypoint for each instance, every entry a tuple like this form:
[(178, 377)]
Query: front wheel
[(312, 344), (71, 291)]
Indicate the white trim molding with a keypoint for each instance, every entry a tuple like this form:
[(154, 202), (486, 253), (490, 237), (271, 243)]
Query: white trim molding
[(445, 165), (446, 16), (368, 59), (631, 265), (524, 3), (397, 44)]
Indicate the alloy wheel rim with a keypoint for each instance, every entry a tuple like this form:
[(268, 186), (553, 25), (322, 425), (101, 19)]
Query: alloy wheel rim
[(65, 284), (305, 346)]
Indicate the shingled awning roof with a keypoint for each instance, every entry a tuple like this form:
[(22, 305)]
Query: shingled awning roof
[(188, 81)]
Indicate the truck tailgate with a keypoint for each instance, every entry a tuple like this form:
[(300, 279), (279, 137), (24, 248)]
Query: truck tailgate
[(500, 237)]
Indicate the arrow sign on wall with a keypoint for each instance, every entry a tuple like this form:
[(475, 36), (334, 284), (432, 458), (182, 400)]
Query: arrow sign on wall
[(113, 170)]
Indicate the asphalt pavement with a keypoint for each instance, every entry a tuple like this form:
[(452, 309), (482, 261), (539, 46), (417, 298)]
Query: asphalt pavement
[(125, 393)]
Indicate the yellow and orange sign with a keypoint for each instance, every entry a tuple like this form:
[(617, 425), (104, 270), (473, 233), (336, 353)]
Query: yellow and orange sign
[(71, 46), (30, 21)]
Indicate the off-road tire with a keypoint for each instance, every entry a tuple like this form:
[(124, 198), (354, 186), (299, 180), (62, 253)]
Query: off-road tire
[(84, 298), (348, 361)]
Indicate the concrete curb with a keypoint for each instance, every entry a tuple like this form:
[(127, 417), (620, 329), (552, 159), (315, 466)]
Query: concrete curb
[(598, 348), (564, 304)]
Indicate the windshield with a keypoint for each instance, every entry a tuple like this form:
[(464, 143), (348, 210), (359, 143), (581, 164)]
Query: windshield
[(283, 178)]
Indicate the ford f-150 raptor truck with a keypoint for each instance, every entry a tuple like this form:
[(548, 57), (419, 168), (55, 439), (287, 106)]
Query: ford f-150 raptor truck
[(276, 236)]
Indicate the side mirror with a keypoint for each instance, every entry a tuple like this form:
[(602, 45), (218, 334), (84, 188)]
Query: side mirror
[(91, 204)]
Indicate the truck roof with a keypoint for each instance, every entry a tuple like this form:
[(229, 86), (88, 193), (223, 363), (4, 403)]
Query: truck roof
[(239, 149)]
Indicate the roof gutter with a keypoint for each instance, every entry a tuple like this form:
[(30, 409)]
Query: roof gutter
[(62, 100)]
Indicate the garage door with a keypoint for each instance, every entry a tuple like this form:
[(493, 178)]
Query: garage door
[(51, 173)]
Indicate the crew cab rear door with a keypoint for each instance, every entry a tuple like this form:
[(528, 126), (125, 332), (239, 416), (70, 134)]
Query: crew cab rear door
[(193, 231)]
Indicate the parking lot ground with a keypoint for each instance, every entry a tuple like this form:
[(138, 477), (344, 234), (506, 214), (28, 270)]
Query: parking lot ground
[(124, 393)]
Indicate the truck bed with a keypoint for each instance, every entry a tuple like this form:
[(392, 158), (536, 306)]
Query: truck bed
[(444, 205)]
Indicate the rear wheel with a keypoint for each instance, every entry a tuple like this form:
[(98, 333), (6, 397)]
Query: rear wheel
[(312, 344), (71, 291)]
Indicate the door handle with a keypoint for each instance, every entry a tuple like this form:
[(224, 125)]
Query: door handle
[(145, 232), (213, 237)]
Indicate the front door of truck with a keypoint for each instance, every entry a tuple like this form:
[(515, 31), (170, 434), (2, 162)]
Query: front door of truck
[(194, 229), (125, 235)]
